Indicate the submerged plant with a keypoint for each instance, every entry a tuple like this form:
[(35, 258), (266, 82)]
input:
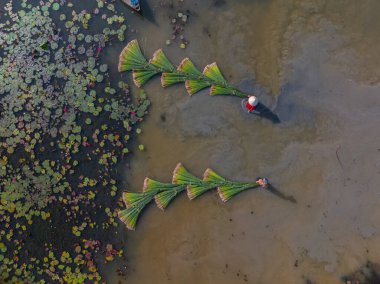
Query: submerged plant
[(164, 193), (132, 59)]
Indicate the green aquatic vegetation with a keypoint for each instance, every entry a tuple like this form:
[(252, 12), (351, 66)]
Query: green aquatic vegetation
[(55, 6), (132, 59), (164, 193), (51, 83), (54, 115)]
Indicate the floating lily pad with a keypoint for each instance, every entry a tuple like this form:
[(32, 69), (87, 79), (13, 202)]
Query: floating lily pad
[(69, 24), (99, 78), (88, 38), (55, 6), (103, 68)]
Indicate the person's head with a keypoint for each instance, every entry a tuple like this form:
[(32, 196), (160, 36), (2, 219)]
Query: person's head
[(253, 101)]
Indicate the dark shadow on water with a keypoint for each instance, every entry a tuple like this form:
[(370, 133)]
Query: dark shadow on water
[(146, 12), (367, 274), (266, 113), (262, 111), (278, 193)]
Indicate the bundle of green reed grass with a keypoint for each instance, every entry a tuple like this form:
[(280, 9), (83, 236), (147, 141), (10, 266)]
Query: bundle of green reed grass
[(164, 193), (132, 59), (135, 203), (195, 186)]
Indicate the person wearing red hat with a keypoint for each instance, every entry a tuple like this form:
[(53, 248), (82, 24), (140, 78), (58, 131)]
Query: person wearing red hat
[(251, 103)]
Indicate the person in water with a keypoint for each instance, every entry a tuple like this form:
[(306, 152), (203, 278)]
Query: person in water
[(263, 182), (251, 103)]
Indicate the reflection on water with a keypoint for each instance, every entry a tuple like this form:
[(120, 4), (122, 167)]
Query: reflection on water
[(300, 58)]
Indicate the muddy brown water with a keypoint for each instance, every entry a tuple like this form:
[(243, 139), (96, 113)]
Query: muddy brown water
[(316, 63)]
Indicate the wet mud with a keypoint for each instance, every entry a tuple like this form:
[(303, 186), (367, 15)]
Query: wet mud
[(315, 63)]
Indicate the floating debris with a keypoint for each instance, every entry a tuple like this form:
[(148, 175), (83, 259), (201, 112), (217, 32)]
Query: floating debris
[(164, 193), (178, 22)]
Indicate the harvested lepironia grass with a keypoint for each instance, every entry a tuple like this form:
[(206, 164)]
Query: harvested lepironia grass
[(168, 79), (211, 176), (226, 189), (131, 58), (182, 176), (188, 68), (132, 199), (230, 189), (160, 61), (193, 86), (212, 71), (163, 198), (130, 215), (219, 90), (164, 193), (156, 186), (195, 186), (140, 76), (195, 190)]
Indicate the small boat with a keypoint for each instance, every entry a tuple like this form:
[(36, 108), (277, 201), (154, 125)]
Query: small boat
[(134, 5)]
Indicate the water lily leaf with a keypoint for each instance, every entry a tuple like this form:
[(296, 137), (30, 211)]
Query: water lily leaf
[(99, 78), (55, 6), (103, 68)]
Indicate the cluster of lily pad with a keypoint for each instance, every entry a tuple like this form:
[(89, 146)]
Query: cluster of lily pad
[(178, 23), (183, 180), (132, 59), (64, 124)]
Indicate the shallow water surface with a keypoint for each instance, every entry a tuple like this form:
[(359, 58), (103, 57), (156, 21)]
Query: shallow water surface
[(316, 64)]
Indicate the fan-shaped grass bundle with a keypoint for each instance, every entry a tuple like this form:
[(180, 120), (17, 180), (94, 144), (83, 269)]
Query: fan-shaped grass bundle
[(188, 68), (168, 79), (230, 189), (164, 193), (135, 203), (132, 199), (131, 58), (151, 185), (219, 90), (211, 176), (140, 76), (129, 217), (195, 186), (182, 176), (163, 198), (160, 61), (212, 71), (226, 189), (193, 86)]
